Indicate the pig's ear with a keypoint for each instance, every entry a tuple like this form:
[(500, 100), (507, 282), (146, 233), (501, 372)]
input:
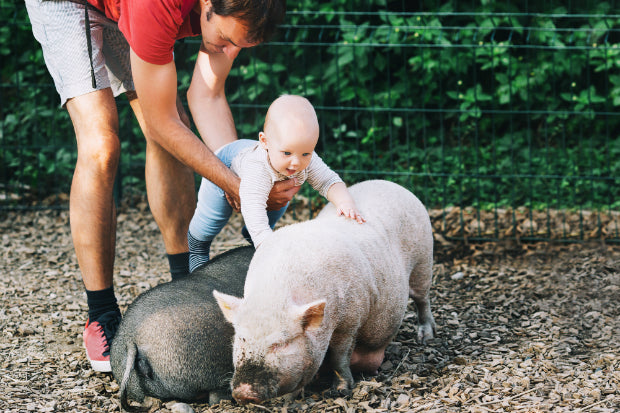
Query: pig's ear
[(228, 304), (311, 315)]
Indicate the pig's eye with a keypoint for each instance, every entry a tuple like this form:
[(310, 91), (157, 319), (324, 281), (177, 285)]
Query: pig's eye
[(279, 346)]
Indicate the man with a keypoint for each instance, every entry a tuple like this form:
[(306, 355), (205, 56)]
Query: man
[(100, 49)]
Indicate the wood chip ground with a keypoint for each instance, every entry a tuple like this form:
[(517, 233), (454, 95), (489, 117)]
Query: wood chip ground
[(521, 327)]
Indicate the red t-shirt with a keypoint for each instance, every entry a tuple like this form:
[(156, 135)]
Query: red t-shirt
[(152, 26)]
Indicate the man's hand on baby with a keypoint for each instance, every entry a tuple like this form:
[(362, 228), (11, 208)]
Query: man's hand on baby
[(234, 203), (349, 211), (282, 193)]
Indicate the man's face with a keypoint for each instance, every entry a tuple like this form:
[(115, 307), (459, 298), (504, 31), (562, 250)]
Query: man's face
[(222, 34)]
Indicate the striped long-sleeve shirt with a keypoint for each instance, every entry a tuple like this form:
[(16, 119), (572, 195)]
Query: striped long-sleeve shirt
[(257, 178)]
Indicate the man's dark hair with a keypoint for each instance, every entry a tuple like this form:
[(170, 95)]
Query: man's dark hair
[(261, 17)]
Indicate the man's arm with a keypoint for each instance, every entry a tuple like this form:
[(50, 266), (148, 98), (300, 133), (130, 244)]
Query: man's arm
[(211, 114), (207, 99), (156, 86)]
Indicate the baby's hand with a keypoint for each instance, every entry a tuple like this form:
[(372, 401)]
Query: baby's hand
[(350, 211)]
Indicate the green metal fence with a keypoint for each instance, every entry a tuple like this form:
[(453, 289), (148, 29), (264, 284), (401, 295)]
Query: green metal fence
[(503, 118)]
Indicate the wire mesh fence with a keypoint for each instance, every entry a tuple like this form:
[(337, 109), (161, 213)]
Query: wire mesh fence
[(503, 118)]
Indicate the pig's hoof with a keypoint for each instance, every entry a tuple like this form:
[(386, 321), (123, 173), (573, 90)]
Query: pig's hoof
[(341, 388), (345, 392), (426, 332), (291, 397), (215, 396), (334, 393), (181, 408)]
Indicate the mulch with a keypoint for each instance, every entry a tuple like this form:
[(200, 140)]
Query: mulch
[(522, 326)]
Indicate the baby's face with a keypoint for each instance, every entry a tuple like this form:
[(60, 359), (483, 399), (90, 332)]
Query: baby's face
[(288, 154)]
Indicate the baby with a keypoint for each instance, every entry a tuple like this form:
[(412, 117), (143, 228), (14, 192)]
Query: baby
[(285, 150)]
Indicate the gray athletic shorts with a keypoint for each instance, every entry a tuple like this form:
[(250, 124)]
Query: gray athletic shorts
[(60, 28)]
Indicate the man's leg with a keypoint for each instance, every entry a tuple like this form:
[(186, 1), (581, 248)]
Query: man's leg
[(93, 215), (171, 194)]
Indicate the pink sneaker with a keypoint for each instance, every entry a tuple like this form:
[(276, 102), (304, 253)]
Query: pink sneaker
[(97, 339)]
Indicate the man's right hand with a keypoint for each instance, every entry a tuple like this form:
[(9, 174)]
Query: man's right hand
[(282, 193)]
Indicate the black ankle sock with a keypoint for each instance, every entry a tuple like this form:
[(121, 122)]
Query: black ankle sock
[(179, 265), (101, 302)]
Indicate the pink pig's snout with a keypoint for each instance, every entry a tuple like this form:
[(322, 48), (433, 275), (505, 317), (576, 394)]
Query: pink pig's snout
[(244, 394)]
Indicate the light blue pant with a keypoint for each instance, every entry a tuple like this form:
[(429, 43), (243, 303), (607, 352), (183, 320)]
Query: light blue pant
[(213, 210)]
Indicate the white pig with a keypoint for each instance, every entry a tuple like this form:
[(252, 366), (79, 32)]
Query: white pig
[(331, 283)]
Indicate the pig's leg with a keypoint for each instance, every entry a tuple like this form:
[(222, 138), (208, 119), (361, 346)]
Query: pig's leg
[(419, 286), (291, 397), (340, 353)]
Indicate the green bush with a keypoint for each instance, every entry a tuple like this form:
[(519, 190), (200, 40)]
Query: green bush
[(491, 107), (480, 104)]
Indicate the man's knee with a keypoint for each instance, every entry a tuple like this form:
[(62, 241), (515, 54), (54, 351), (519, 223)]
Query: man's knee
[(100, 154), (95, 122)]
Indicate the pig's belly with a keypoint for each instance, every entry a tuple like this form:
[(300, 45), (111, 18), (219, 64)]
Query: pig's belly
[(369, 351), (373, 338), (367, 361)]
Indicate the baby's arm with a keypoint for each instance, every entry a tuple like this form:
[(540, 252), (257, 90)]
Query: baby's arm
[(339, 195), (253, 192), (329, 184)]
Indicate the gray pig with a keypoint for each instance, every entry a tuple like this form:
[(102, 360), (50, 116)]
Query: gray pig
[(173, 342), (331, 283)]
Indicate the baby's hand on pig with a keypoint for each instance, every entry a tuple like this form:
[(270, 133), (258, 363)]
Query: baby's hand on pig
[(350, 211)]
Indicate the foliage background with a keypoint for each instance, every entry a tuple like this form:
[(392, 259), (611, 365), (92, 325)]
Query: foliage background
[(478, 103)]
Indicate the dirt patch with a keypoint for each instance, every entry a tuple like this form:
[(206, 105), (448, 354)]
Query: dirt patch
[(521, 327)]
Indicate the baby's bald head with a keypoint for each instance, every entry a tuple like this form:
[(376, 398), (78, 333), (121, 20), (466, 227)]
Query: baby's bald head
[(292, 117)]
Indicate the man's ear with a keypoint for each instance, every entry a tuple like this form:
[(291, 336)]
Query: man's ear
[(262, 138), (202, 5)]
